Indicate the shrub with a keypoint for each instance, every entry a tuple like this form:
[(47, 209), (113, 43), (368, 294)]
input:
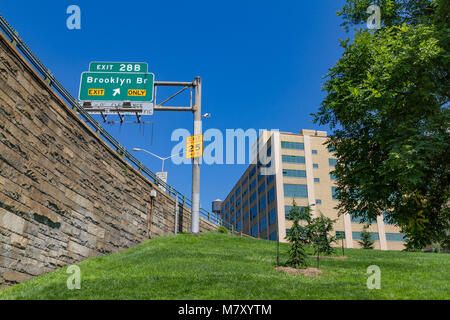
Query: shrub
[(366, 239), (437, 248), (222, 229)]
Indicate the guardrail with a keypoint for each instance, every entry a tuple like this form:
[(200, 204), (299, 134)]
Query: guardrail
[(75, 105)]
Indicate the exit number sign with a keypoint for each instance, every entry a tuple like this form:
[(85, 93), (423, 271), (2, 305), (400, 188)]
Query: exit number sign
[(194, 146), (118, 67)]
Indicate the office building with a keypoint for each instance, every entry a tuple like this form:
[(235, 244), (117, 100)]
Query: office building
[(300, 166)]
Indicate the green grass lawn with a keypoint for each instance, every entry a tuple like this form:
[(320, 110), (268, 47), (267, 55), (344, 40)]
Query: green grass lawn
[(218, 266)]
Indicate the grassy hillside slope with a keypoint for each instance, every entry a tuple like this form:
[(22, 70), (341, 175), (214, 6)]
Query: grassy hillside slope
[(218, 266)]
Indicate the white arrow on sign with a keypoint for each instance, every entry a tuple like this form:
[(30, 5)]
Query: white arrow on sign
[(116, 92)]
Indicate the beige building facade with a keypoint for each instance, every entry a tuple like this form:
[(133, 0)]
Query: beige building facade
[(297, 166)]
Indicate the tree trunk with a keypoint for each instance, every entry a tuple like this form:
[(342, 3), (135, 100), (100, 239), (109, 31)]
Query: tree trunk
[(318, 252)]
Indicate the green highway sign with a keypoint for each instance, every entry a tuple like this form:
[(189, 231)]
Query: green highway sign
[(118, 67), (116, 86)]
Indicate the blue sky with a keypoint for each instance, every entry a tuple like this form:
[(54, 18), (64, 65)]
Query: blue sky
[(261, 62)]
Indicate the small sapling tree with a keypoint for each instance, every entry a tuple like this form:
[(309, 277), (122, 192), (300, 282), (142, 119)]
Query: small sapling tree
[(319, 235), (366, 239), (297, 237)]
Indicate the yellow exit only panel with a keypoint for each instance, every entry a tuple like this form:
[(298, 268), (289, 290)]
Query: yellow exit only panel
[(137, 93)]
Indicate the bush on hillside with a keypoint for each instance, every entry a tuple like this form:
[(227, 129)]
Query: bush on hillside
[(222, 229), (366, 239)]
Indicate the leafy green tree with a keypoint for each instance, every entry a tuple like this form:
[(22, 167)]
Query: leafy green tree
[(319, 230), (395, 12), (366, 239), (387, 102), (297, 237)]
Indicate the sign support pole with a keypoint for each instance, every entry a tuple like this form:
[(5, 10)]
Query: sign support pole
[(195, 216)]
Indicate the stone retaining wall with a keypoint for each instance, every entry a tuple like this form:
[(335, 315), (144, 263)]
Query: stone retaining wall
[(65, 194)]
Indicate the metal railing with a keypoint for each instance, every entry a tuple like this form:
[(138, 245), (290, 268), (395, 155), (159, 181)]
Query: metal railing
[(75, 105)]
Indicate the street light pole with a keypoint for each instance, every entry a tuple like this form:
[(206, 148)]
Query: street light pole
[(155, 155), (195, 215)]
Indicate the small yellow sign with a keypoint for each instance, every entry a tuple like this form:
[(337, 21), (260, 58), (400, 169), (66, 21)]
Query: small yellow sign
[(137, 93), (194, 146), (96, 92)]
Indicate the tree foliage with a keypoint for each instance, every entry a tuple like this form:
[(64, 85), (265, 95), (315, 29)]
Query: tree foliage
[(297, 237), (366, 241), (393, 12), (387, 103), (319, 234)]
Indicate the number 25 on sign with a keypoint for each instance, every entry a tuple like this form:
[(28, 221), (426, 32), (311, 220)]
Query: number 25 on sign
[(194, 146)]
